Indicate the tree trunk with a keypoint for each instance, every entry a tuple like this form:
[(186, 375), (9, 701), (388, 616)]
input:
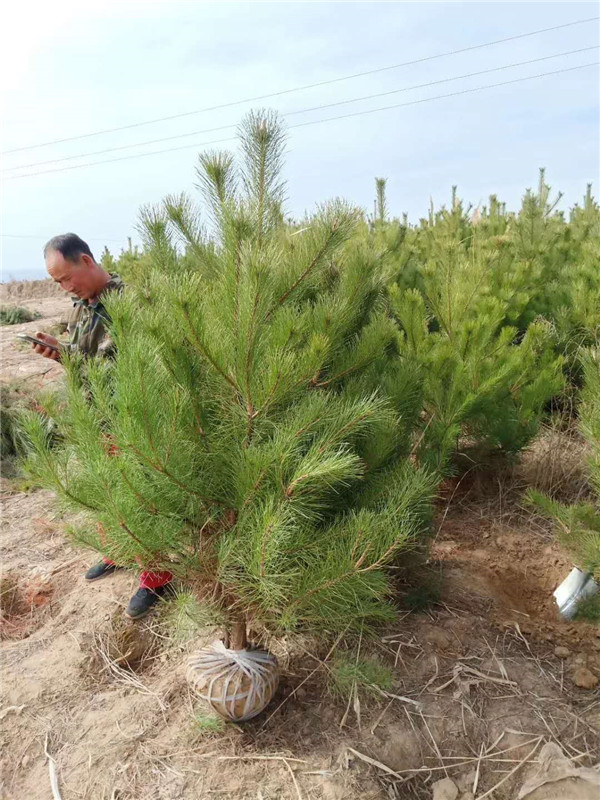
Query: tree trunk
[(235, 639)]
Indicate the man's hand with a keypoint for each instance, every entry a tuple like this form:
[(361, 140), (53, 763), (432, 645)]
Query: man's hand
[(46, 351)]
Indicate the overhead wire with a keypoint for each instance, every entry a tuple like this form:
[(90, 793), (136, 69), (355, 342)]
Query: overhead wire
[(45, 238), (300, 88), (310, 122), (451, 94), (302, 110)]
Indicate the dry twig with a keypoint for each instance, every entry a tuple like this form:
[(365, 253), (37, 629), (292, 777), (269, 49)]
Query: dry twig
[(513, 770)]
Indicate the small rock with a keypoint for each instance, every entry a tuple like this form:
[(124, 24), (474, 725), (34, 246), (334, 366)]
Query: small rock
[(25, 761), (445, 789), (467, 796), (562, 652), (585, 678)]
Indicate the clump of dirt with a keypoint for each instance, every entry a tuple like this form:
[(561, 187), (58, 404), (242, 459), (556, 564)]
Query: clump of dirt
[(24, 604)]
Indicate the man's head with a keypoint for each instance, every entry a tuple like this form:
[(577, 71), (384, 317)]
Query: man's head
[(70, 262)]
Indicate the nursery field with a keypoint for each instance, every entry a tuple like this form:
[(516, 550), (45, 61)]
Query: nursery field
[(363, 452), (476, 676)]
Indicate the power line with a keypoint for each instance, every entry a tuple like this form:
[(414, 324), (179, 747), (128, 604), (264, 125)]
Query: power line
[(45, 238), (452, 94), (301, 88), (301, 111), (312, 122)]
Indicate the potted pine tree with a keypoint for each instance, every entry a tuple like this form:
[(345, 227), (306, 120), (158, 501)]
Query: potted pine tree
[(252, 451)]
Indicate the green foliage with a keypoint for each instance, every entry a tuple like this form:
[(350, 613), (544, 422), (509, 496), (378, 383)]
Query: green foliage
[(241, 438), (131, 264), (16, 399), (381, 203), (589, 609), (578, 525), (494, 310), (538, 262), (286, 395), (206, 725), (14, 315), (485, 384), (349, 673), (12, 398), (183, 616)]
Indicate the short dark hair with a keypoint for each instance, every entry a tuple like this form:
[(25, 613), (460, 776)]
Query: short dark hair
[(69, 245)]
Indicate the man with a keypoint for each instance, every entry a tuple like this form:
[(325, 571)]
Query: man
[(69, 262)]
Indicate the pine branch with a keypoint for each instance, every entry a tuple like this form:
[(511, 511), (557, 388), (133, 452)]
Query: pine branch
[(206, 353), (208, 501)]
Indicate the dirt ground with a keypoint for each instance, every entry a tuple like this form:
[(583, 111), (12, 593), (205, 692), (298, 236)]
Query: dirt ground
[(483, 678), (16, 363)]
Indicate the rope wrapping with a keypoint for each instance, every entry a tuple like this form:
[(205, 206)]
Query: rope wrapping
[(237, 684)]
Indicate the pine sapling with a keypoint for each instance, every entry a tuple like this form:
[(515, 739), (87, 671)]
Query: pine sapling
[(240, 438)]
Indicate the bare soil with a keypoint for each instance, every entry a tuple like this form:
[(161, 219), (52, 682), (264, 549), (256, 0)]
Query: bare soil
[(478, 685), (17, 361)]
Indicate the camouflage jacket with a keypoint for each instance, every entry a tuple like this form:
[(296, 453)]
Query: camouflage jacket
[(88, 321)]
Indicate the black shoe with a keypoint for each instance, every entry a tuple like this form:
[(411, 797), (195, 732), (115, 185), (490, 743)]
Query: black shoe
[(99, 570), (143, 600)]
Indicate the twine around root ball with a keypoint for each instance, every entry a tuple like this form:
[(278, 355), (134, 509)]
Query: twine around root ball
[(237, 684)]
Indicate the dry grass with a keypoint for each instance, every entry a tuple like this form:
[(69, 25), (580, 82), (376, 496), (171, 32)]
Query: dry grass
[(29, 290), (555, 464), (119, 646)]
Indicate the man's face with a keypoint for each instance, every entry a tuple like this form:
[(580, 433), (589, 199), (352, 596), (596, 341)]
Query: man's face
[(75, 277)]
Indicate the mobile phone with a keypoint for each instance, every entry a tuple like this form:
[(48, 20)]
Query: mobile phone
[(33, 340)]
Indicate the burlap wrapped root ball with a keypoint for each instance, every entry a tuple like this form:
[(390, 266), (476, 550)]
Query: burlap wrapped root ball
[(237, 684)]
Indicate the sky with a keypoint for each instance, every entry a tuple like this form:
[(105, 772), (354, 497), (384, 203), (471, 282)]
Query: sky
[(69, 69)]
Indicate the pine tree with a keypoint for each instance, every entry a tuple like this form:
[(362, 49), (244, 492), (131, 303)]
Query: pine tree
[(240, 438), (485, 385), (380, 186), (108, 260), (491, 307)]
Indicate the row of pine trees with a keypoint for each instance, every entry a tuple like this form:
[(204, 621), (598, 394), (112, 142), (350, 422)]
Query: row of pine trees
[(287, 395)]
